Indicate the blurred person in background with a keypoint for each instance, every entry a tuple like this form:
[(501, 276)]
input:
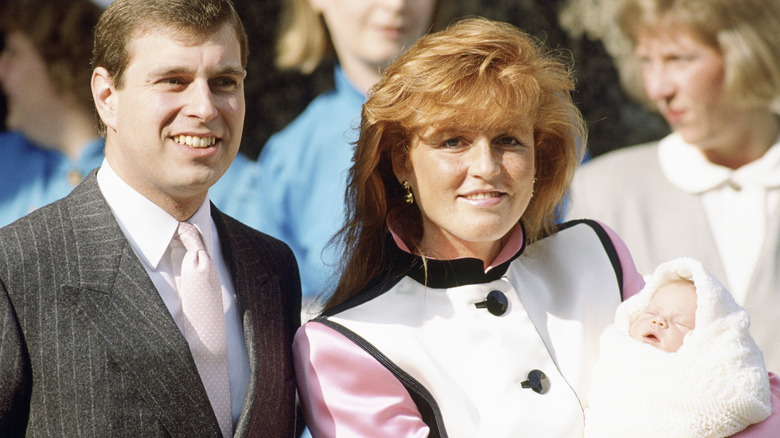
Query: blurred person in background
[(53, 141), (711, 188), (302, 169)]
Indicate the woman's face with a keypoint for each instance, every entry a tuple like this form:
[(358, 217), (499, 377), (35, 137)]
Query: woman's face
[(374, 32), (471, 186), (685, 79)]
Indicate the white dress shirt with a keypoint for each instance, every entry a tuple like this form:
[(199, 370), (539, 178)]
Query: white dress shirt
[(739, 203), (150, 231)]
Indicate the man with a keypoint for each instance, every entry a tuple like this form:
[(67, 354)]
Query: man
[(99, 335), (44, 69)]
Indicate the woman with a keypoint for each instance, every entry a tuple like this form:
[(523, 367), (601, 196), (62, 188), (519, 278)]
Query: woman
[(302, 169), (463, 310), (710, 190)]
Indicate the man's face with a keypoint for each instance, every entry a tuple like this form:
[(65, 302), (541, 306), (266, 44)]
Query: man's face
[(174, 126)]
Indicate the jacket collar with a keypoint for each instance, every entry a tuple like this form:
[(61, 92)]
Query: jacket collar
[(456, 272)]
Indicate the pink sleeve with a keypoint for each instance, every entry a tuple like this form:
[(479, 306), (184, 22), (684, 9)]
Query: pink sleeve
[(769, 428), (632, 279), (345, 392)]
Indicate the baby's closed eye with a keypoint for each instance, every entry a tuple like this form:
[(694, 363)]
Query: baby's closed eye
[(684, 322)]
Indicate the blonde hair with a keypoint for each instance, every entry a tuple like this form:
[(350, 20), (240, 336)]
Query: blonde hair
[(745, 32), (476, 73), (304, 41)]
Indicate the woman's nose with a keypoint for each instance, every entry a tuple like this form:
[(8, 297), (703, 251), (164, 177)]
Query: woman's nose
[(485, 161), (658, 84)]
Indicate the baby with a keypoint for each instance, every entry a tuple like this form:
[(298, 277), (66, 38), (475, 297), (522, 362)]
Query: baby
[(678, 362), (668, 317)]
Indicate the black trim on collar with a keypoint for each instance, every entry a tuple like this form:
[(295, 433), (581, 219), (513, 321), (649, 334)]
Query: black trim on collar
[(441, 274)]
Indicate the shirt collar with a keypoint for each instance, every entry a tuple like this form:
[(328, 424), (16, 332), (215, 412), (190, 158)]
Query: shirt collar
[(687, 168), (344, 86), (148, 228)]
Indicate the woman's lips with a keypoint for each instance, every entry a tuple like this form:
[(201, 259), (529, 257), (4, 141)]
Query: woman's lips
[(674, 117)]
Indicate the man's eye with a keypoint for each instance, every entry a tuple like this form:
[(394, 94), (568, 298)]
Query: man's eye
[(225, 84), (172, 81)]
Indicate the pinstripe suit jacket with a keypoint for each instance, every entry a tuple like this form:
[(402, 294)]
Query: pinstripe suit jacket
[(88, 348)]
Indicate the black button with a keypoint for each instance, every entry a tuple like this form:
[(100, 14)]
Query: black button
[(537, 381), (496, 303)]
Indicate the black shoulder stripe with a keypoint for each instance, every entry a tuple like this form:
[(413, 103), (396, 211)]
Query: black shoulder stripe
[(606, 242), (372, 291), (426, 404)]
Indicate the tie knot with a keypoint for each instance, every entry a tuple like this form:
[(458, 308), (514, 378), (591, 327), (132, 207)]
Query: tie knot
[(190, 237)]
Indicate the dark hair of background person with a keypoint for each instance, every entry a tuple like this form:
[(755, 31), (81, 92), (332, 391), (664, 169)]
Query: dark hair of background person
[(3, 110), (274, 97), (56, 30)]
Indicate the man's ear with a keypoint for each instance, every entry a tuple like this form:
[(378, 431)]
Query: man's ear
[(105, 97)]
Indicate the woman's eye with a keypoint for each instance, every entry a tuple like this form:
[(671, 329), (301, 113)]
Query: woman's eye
[(508, 141), (452, 142)]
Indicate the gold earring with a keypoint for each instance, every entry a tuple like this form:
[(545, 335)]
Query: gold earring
[(408, 196)]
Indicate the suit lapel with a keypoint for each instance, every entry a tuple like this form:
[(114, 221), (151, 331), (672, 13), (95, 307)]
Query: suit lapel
[(114, 296), (246, 275), (267, 332)]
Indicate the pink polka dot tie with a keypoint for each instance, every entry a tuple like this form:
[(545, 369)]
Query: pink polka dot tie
[(201, 297)]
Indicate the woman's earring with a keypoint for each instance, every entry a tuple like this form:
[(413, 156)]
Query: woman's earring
[(533, 187), (408, 196)]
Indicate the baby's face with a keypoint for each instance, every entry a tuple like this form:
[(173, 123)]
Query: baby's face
[(669, 315)]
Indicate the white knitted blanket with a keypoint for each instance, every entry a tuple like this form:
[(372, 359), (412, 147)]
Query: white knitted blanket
[(715, 385)]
